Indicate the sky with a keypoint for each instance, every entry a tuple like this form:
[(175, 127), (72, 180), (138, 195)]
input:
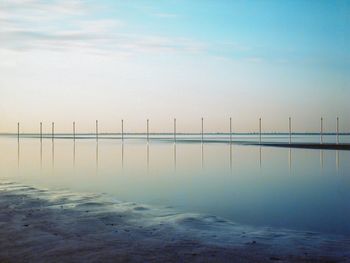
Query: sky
[(67, 60)]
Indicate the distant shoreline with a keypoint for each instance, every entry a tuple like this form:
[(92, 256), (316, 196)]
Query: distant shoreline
[(300, 145), (177, 133)]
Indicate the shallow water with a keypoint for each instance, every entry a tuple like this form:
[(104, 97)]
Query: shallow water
[(264, 186)]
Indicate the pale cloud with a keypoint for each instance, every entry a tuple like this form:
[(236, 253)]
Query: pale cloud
[(94, 39), (61, 25), (69, 7)]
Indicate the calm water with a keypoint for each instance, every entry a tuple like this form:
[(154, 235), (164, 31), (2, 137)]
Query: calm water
[(289, 188)]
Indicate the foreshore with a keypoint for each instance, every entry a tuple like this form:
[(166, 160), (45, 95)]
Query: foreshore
[(38, 225)]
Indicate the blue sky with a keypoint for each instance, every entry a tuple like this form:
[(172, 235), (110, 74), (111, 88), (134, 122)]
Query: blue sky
[(107, 60)]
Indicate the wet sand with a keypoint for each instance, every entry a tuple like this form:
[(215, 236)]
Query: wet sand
[(39, 225)]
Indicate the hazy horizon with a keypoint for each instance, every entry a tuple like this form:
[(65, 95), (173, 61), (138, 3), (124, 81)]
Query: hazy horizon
[(161, 129)]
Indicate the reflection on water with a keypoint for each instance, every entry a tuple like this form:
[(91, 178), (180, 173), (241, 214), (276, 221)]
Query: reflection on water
[(53, 153), (290, 159), (202, 154), (18, 152), (180, 176), (41, 152), (337, 160), (230, 155), (260, 157), (175, 151), (147, 155), (96, 152), (74, 152), (202, 145), (122, 146)]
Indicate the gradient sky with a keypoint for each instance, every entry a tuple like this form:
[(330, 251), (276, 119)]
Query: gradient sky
[(84, 60)]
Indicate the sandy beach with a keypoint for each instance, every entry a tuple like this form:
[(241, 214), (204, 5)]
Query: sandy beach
[(38, 225)]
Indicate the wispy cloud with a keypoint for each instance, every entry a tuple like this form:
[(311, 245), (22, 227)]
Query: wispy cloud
[(94, 39), (62, 25), (70, 25), (71, 7)]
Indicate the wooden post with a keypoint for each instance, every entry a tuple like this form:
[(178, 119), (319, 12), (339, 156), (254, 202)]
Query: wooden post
[(52, 130), (321, 131), (41, 130), (230, 130), (122, 130), (17, 130), (337, 130), (174, 129), (96, 130), (147, 130), (290, 130), (259, 130), (74, 130), (202, 129)]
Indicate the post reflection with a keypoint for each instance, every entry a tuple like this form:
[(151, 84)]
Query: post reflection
[(202, 155), (18, 153), (53, 154), (74, 153), (260, 156), (175, 156), (337, 160), (96, 156), (321, 159), (41, 154), (231, 157), (147, 156), (122, 145), (290, 159)]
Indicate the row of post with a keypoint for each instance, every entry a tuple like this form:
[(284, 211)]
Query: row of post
[(202, 130)]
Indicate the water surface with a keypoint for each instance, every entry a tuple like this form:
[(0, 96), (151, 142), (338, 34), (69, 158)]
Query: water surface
[(302, 189)]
